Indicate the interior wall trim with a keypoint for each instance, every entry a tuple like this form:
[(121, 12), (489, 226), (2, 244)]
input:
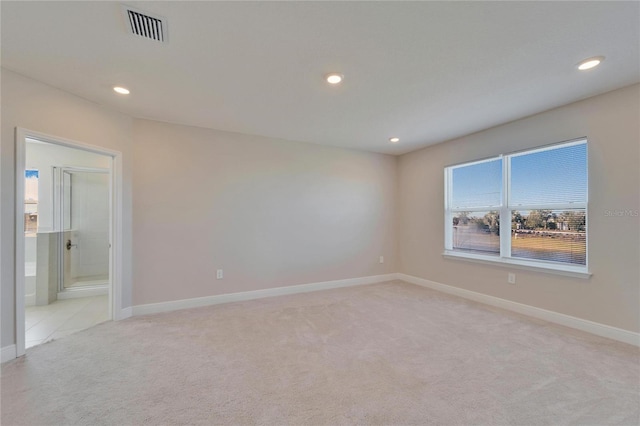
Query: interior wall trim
[(592, 327), (614, 333), (115, 233), (124, 313), (8, 353), (153, 308)]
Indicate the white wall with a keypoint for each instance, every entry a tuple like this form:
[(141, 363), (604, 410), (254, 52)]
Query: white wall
[(269, 212), (35, 106), (611, 296)]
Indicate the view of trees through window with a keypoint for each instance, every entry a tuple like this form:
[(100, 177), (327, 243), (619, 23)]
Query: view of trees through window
[(537, 234), (477, 231), (546, 204)]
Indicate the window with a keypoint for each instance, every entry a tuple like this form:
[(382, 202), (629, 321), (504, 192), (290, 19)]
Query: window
[(31, 202), (527, 208)]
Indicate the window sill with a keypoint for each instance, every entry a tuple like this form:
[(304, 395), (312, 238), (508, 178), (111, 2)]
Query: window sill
[(569, 271)]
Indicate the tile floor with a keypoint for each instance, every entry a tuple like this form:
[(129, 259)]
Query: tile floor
[(63, 317)]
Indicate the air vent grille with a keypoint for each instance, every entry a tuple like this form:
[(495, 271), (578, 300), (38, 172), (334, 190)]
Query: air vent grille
[(145, 25)]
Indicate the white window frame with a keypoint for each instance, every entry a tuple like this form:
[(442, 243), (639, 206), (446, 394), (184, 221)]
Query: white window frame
[(505, 209)]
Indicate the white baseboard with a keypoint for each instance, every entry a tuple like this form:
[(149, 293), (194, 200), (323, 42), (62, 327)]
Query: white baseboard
[(30, 299), (153, 308), (124, 313), (76, 293), (8, 353), (543, 314)]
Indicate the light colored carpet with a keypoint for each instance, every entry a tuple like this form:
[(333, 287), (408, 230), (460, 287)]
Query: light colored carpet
[(390, 353)]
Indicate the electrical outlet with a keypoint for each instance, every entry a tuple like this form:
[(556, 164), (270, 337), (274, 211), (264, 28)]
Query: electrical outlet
[(381, 259), (511, 278), (219, 274)]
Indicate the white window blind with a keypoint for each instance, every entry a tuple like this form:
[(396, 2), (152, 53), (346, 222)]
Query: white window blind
[(528, 206)]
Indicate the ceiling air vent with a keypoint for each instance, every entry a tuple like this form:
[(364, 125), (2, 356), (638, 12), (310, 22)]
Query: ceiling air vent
[(145, 25)]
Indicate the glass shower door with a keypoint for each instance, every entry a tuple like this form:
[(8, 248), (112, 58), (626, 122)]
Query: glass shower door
[(85, 223)]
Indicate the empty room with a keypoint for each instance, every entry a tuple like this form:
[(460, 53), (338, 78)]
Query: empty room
[(320, 213)]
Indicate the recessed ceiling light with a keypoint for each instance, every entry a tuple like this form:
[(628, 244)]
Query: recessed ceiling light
[(394, 140), (334, 78), (121, 90), (587, 64)]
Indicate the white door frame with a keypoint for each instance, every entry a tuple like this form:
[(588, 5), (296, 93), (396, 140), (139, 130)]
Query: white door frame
[(58, 208), (115, 232)]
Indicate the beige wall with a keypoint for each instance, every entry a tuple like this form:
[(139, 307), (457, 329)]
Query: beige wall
[(277, 213), (35, 106), (270, 213), (611, 296)]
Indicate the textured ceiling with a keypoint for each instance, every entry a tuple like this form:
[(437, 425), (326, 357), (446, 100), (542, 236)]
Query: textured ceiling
[(423, 71)]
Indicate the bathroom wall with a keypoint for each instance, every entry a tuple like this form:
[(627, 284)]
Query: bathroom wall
[(30, 249), (43, 157)]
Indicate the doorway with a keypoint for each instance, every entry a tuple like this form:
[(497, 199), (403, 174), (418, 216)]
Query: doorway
[(68, 220), (82, 204)]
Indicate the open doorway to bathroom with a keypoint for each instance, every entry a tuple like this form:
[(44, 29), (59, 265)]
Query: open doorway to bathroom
[(67, 234), (81, 201)]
